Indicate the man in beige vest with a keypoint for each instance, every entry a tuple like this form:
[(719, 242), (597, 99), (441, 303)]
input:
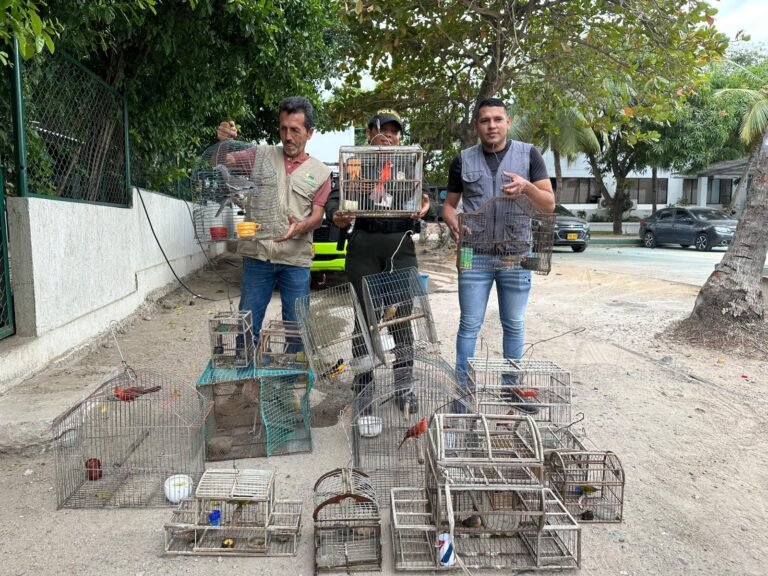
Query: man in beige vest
[(292, 189)]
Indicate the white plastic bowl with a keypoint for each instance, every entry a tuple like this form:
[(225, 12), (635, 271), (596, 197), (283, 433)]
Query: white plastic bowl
[(177, 487), (369, 426)]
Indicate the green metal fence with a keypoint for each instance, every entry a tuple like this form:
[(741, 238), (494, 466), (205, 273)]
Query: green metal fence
[(6, 302)]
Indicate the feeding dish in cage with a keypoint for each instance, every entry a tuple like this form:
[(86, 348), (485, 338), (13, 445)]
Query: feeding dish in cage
[(177, 487), (369, 426)]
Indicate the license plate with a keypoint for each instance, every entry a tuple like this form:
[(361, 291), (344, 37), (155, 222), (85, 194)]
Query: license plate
[(573, 236)]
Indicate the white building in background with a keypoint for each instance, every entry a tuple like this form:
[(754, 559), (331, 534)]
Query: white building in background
[(325, 145)]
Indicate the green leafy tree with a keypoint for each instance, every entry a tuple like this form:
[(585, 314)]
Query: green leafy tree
[(21, 20)]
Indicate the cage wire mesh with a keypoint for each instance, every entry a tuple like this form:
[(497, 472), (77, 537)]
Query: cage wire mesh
[(214, 223), (413, 530), (117, 447), (505, 232), (347, 522), (235, 513), (394, 405), (538, 388), (232, 342), (337, 343), (590, 484), (280, 347), (399, 315), (285, 412), (380, 181)]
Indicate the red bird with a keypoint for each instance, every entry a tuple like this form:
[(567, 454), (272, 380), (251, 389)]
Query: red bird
[(415, 431), (128, 394)]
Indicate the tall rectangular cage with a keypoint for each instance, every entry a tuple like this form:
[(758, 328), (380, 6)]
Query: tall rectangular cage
[(390, 416), (590, 484), (399, 316), (538, 388), (284, 408), (413, 530), (118, 446), (280, 347), (505, 233), (347, 522), (232, 341), (380, 181), (336, 340)]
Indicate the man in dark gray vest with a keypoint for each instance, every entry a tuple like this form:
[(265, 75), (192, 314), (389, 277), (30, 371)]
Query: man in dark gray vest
[(495, 167)]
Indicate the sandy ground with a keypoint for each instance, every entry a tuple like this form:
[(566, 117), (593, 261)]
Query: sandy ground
[(689, 426)]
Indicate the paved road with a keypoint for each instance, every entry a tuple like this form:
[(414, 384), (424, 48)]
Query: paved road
[(672, 264)]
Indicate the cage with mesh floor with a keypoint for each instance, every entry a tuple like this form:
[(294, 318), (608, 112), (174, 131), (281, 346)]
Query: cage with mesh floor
[(119, 445), (505, 233), (284, 408), (347, 522), (380, 181)]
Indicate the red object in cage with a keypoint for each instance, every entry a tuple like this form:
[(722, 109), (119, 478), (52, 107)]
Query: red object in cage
[(218, 232)]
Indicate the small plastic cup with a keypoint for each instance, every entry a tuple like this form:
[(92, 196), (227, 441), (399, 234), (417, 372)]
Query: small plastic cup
[(214, 518)]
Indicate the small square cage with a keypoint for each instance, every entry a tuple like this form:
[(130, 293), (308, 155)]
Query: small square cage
[(120, 445), (336, 341), (232, 343), (347, 523), (280, 347), (413, 530), (380, 181), (285, 411), (399, 315), (216, 223), (505, 233), (538, 388), (390, 418), (590, 484)]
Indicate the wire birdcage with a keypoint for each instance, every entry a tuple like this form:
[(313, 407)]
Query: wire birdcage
[(117, 447), (380, 181), (390, 407), (216, 224), (347, 522), (590, 484), (505, 232), (285, 411), (413, 530), (232, 342), (280, 347), (235, 513), (399, 315), (538, 388), (337, 343)]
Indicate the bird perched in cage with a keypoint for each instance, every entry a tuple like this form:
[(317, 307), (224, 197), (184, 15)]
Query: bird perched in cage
[(585, 489), (335, 370), (473, 521), (389, 313), (236, 186), (414, 431), (133, 392), (93, 469)]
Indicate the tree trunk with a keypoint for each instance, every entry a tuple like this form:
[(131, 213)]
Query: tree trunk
[(558, 176), (737, 200), (617, 205), (655, 188), (732, 294)]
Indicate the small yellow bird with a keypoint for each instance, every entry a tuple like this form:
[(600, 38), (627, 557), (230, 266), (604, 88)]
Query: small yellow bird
[(335, 370)]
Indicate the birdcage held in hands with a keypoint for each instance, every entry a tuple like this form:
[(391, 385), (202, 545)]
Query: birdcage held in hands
[(118, 446), (380, 181), (505, 233), (347, 522)]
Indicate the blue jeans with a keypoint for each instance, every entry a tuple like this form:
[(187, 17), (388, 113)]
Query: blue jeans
[(259, 279), (513, 285)]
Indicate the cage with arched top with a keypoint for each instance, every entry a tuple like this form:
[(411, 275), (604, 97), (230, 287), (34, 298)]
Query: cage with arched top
[(390, 418), (380, 181), (590, 484), (505, 233), (538, 388), (347, 522), (398, 315), (119, 445)]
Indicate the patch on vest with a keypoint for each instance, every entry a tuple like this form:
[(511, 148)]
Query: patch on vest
[(309, 178)]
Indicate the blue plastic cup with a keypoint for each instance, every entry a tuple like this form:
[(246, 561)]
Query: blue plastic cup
[(424, 281), (214, 518)]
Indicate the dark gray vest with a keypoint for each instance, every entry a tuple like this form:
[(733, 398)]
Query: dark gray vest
[(479, 184)]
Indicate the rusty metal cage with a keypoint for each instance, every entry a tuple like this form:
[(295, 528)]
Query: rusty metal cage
[(235, 513), (337, 343), (399, 315), (392, 404), (538, 388), (232, 342), (505, 233), (590, 484), (347, 522), (380, 181), (117, 447)]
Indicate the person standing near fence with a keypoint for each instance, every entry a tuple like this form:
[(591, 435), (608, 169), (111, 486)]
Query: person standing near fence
[(301, 184), (378, 245), (495, 167)]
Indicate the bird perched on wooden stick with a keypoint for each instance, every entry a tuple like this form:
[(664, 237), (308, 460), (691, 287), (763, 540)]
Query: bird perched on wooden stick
[(130, 394), (473, 521), (415, 431), (335, 370)]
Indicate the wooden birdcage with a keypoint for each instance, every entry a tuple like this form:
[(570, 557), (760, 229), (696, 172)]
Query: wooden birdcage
[(399, 315), (505, 233), (413, 530), (380, 181), (590, 484), (347, 522), (234, 512), (117, 447), (538, 388), (232, 342), (280, 347)]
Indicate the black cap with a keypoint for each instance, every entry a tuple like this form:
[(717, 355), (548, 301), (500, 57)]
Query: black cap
[(383, 117)]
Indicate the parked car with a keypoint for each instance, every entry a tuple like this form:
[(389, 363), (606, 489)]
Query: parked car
[(704, 228), (570, 230)]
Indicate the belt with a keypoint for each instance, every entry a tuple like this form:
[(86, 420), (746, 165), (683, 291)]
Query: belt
[(385, 226)]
